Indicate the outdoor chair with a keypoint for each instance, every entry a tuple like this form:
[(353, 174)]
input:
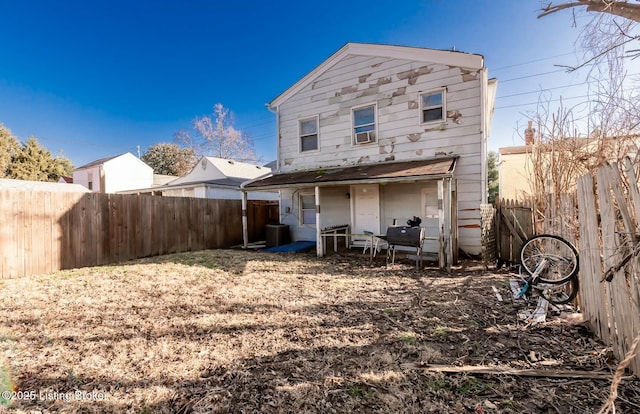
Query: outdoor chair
[(378, 243)]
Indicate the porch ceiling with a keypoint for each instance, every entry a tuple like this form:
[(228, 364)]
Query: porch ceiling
[(392, 171)]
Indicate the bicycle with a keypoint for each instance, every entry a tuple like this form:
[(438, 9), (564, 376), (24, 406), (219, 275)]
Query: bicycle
[(551, 264)]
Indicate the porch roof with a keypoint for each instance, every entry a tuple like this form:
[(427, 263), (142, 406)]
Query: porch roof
[(433, 168)]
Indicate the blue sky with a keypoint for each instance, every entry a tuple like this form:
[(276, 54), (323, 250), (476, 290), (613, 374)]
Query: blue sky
[(99, 78)]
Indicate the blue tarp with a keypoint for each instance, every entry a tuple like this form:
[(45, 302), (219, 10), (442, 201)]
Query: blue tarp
[(298, 246)]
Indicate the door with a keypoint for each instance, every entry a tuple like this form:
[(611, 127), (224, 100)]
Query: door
[(431, 218), (365, 210)]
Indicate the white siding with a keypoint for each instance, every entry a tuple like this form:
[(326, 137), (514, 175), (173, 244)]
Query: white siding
[(403, 201), (82, 177), (361, 80), (126, 173), (218, 193), (289, 214)]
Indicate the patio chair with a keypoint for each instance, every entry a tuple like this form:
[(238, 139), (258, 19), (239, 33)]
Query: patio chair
[(378, 243)]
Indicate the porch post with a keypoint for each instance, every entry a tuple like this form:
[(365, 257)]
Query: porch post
[(245, 224), (319, 244), (447, 223), (441, 225)]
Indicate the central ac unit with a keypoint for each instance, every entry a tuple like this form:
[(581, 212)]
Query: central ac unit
[(364, 137)]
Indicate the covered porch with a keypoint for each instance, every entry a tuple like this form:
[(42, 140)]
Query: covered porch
[(359, 202)]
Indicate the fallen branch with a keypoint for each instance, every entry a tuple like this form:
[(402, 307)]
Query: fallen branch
[(481, 369), (609, 406)]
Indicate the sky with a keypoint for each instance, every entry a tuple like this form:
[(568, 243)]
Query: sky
[(93, 79)]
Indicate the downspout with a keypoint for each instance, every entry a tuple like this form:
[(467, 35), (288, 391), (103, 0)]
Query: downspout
[(277, 114), (484, 84), (245, 223)]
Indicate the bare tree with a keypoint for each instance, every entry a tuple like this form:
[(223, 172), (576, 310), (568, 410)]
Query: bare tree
[(572, 141), (216, 136), (611, 31)]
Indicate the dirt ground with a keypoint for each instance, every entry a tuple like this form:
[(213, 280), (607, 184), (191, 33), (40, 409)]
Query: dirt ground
[(229, 331)]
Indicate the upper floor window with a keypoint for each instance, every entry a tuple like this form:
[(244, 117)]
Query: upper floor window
[(432, 106), (308, 129), (364, 124)]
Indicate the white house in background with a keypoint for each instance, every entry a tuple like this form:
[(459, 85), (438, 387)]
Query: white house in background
[(380, 133), (113, 174), (24, 185), (65, 180), (215, 178)]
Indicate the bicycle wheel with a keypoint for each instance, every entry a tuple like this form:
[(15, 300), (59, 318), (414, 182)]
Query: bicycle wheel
[(556, 257), (559, 294)]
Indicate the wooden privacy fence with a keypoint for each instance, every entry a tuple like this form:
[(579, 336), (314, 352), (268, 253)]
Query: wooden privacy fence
[(42, 232), (514, 225), (514, 221), (609, 210)]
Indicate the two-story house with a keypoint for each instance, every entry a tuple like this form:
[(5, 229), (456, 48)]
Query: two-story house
[(377, 134)]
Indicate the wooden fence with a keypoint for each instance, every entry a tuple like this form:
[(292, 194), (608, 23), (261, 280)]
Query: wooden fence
[(609, 211), (514, 221), (513, 224), (42, 232)]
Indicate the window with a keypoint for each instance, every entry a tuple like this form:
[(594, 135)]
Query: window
[(90, 185), (432, 107), (90, 181), (364, 124), (308, 134), (307, 209)]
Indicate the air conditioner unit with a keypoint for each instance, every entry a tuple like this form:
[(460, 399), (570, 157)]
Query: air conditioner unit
[(364, 137)]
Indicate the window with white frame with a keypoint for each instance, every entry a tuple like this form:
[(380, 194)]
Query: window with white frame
[(308, 134), (307, 209), (364, 124), (432, 106)]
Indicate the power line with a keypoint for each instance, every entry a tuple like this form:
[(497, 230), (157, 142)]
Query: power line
[(531, 76), (532, 61), (535, 103), (546, 89)]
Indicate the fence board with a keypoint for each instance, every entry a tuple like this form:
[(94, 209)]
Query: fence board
[(633, 186), (615, 301), (615, 180), (607, 228), (634, 285), (27, 216), (591, 292)]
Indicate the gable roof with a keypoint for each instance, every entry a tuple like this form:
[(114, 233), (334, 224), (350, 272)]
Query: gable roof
[(232, 168), (380, 172), (444, 57), (103, 161), (99, 162)]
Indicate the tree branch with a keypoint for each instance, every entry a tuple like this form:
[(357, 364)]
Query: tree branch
[(596, 57), (616, 8)]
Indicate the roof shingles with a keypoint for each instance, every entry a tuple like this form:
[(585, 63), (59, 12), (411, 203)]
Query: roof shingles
[(421, 169)]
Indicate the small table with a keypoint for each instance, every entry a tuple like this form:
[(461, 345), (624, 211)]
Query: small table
[(334, 231), (330, 232)]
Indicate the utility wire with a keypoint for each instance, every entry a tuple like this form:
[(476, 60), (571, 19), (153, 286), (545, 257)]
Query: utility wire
[(532, 61), (535, 103)]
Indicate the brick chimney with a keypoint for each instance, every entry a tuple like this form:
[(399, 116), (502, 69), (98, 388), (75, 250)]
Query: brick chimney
[(529, 134)]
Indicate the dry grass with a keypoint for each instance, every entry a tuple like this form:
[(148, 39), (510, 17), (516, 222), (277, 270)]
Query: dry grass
[(233, 331)]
